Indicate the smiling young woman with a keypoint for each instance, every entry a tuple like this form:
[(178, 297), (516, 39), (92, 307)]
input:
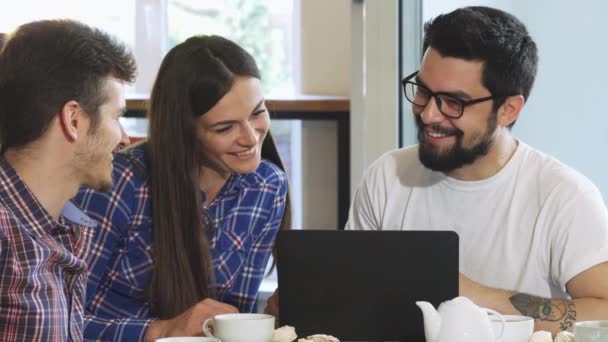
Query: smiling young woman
[(190, 224)]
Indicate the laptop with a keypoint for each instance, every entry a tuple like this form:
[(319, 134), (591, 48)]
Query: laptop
[(363, 285)]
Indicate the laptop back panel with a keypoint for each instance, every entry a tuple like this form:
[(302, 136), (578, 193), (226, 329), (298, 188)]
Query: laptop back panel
[(363, 285)]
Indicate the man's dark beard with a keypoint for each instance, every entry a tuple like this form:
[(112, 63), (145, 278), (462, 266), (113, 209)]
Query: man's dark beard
[(457, 156)]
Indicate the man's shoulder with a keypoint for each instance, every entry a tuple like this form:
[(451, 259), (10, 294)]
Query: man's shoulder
[(8, 220), (553, 175), (400, 156), (401, 162)]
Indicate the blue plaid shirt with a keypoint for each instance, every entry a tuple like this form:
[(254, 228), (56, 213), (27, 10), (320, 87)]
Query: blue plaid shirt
[(246, 216)]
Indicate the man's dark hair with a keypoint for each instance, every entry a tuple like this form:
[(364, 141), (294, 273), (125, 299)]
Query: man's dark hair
[(491, 36), (45, 64), (2, 39)]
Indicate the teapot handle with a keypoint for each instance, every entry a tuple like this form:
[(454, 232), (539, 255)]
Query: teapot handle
[(502, 320)]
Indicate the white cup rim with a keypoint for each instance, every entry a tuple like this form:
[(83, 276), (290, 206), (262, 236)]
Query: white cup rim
[(243, 317), (601, 325)]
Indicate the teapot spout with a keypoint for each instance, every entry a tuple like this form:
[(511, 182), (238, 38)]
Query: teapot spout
[(432, 321)]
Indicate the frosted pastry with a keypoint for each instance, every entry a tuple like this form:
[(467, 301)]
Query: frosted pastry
[(564, 336), (319, 338), (541, 336), (285, 333)]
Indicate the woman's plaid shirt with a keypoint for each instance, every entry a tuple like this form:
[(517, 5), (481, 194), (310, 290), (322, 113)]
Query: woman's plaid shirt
[(246, 215)]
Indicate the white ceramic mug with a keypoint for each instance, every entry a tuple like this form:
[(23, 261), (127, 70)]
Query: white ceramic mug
[(241, 327), (591, 331), (188, 339), (501, 323), (516, 329)]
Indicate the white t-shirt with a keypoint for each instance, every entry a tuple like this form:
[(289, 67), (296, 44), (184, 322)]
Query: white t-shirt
[(530, 228)]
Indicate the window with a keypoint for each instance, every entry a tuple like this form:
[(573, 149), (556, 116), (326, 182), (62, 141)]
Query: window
[(263, 28), (102, 14)]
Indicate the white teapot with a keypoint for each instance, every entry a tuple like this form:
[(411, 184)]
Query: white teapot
[(458, 320)]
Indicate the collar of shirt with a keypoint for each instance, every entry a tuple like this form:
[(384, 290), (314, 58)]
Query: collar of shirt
[(234, 182), (72, 213), (17, 196)]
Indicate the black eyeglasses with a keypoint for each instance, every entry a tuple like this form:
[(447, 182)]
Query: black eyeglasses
[(448, 105)]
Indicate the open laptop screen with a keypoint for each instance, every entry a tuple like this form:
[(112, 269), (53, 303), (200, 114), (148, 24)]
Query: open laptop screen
[(363, 285)]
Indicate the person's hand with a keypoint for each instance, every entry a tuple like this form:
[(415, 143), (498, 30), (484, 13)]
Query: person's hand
[(485, 296), (190, 322), (272, 305), (473, 290)]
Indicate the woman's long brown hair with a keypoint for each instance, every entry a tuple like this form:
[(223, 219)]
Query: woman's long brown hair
[(192, 78), (270, 152)]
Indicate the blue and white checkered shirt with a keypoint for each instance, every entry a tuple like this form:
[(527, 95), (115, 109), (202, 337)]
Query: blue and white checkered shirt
[(246, 216)]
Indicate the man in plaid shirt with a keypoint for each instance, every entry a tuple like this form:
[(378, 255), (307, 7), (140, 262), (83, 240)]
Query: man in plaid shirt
[(61, 95)]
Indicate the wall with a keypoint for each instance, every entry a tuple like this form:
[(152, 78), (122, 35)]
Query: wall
[(432, 8), (319, 175), (375, 92), (567, 115), (325, 47), (325, 70)]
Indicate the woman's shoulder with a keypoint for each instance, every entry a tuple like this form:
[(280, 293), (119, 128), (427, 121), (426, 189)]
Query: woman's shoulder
[(126, 190), (131, 162)]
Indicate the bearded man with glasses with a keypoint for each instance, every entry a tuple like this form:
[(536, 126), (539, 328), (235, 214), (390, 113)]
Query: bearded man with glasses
[(533, 232)]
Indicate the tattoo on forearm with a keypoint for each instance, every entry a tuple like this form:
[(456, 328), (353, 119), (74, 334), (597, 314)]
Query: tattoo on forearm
[(544, 309)]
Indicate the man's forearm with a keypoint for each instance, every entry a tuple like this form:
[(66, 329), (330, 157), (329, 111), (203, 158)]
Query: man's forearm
[(552, 315), (556, 315)]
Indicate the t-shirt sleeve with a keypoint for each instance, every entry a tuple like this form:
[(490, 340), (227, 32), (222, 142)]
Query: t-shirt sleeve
[(580, 235)]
